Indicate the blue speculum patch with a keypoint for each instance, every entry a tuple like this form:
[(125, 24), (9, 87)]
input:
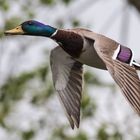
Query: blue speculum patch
[(125, 55)]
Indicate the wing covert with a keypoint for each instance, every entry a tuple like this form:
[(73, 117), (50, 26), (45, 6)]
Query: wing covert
[(124, 75)]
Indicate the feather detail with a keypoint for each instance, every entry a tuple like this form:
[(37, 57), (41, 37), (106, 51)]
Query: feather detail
[(71, 42), (67, 78), (125, 76)]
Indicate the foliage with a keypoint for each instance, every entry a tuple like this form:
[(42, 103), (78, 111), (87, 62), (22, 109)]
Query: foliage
[(60, 134), (102, 134), (15, 87)]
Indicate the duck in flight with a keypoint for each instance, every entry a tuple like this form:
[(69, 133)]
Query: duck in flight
[(77, 47)]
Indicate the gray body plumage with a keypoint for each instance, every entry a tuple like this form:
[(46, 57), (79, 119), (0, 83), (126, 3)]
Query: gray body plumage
[(80, 46)]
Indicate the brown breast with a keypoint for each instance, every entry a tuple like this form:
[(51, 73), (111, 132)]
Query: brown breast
[(71, 42)]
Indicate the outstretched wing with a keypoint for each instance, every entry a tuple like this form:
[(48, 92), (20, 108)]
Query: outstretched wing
[(67, 78), (124, 75)]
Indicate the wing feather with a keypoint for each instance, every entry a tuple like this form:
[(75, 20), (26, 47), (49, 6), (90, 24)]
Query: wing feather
[(67, 77), (124, 75)]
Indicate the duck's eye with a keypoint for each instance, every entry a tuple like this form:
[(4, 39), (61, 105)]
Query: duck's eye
[(30, 23)]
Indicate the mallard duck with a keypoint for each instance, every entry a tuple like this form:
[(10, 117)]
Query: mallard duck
[(77, 47)]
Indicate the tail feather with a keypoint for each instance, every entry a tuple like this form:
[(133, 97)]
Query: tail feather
[(136, 65)]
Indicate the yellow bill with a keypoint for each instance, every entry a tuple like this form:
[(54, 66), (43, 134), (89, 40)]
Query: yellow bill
[(16, 31)]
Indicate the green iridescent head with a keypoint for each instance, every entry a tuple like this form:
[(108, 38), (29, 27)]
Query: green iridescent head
[(33, 28)]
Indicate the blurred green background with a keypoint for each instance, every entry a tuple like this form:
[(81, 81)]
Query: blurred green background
[(29, 109)]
